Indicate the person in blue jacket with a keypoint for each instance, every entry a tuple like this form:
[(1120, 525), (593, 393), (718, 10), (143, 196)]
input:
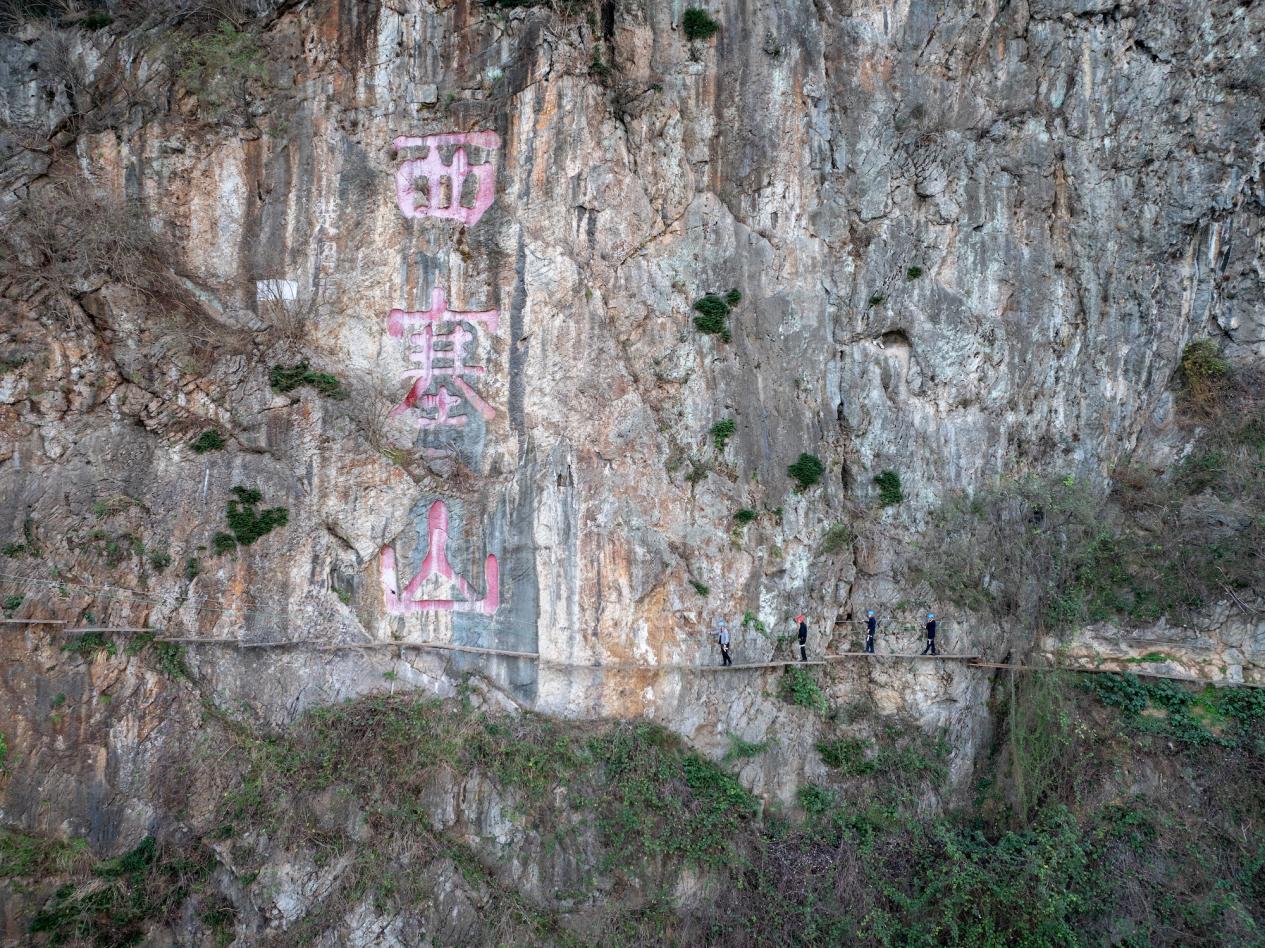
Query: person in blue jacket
[(871, 626)]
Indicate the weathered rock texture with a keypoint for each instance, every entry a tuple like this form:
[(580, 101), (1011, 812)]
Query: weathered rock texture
[(971, 242)]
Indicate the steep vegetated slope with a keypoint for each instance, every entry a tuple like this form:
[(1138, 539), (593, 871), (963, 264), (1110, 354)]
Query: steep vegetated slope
[(554, 331)]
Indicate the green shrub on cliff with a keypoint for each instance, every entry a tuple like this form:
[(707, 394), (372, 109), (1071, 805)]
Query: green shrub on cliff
[(806, 470), (798, 687), (698, 24), (247, 523), (209, 440), (889, 488), (713, 311), (286, 378), (721, 432)]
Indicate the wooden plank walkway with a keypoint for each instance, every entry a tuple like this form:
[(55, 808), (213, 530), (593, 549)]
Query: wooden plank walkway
[(675, 667), (102, 628), (972, 661), (1140, 672), (442, 646), (321, 645), (942, 657)]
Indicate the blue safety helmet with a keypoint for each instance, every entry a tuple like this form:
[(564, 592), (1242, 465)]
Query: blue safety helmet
[(931, 615), (869, 612)]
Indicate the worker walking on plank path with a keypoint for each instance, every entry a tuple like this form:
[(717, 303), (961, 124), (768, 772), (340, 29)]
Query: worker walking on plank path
[(722, 638), (803, 637), (871, 626), (931, 635)]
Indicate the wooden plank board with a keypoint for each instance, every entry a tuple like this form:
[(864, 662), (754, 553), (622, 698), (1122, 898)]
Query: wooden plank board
[(32, 621), (620, 666), (942, 657), (746, 665), (279, 643), (321, 645), (102, 628), (442, 646), (202, 641)]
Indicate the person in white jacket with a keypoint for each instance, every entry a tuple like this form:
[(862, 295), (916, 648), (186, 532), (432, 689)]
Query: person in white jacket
[(722, 638)]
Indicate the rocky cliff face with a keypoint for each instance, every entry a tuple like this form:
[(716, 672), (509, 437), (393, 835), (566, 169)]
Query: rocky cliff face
[(970, 242)]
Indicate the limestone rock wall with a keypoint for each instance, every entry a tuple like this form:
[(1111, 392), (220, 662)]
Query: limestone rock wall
[(971, 242)]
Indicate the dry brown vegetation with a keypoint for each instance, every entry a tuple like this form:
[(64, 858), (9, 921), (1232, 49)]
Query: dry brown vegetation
[(1050, 553)]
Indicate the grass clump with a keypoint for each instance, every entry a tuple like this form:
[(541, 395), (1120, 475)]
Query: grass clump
[(1228, 717), (889, 488), (699, 588), (89, 645), (27, 546), (1204, 374), (722, 431), (698, 24), (876, 299), (29, 856), (118, 900), (838, 538), (170, 657), (221, 68), (745, 516), (742, 750), (806, 470), (913, 273), (848, 755), (285, 379), (799, 688), (209, 440), (13, 602)]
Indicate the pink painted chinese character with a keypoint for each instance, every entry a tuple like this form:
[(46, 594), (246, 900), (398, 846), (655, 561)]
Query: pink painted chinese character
[(441, 196), (441, 362), (402, 602)]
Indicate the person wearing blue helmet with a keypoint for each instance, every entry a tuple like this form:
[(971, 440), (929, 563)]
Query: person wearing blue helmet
[(722, 638), (931, 635), (871, 626)]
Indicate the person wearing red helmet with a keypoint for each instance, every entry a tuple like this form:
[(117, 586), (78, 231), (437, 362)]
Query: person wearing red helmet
[(803, 637)]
